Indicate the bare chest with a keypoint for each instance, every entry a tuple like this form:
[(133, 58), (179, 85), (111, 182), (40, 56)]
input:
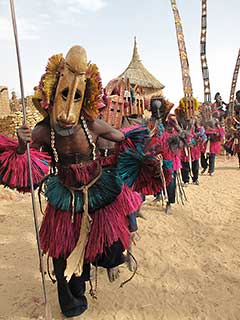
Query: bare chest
[(79, 142)]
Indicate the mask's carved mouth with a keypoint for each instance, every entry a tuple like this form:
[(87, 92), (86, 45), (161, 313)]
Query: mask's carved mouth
[(65, 124), (64, 131)]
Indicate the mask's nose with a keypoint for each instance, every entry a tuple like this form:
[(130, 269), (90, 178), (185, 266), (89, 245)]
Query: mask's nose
[(70, 97)]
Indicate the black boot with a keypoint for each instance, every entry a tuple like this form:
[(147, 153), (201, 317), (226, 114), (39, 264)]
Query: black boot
[(70, 306)]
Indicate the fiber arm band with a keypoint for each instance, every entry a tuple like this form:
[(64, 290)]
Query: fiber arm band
[(14, 171)]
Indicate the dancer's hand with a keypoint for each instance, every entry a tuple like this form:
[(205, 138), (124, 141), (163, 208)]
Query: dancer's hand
[(134, 236), (24, 134)]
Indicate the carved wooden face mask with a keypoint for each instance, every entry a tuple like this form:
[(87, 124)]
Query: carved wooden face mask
[(157, 108), (70, 92)]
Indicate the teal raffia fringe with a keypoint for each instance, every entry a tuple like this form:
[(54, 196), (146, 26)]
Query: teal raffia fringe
[(141, 171), (160, 129), (167, 164), (135, 136), (103, 192), (129, 165)]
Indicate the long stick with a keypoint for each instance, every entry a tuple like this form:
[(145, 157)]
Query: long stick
[(47, 307)]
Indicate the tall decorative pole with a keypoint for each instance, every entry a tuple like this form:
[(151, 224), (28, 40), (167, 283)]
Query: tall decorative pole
[(207, 105), (188, 100), (205, 71), (48, 315), (233, 86)]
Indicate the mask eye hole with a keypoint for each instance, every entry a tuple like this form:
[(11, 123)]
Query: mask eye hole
[(77, 96), (65, 93)]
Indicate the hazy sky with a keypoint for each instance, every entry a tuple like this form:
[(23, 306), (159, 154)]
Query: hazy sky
[(106, 29)]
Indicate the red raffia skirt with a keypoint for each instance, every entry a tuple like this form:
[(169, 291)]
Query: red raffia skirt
[(59, 235)]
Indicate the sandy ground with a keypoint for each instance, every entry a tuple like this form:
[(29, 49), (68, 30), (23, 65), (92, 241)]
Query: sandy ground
[(189, 262)]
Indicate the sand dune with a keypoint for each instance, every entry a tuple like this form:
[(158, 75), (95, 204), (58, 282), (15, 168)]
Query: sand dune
[(189, 262)]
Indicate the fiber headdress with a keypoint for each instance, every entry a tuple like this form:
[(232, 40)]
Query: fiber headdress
[(44, 92)]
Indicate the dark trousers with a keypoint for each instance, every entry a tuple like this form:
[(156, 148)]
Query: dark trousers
[(185, 171), (171, 188), (208, 161), (71, 294), (112, 256)]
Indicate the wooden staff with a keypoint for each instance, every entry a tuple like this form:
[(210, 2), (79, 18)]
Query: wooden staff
[(48, 314)]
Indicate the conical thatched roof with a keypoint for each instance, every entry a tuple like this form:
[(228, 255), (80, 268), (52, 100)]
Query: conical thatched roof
[(138, 74)]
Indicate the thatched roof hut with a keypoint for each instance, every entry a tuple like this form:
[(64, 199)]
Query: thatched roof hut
[(138, 74)]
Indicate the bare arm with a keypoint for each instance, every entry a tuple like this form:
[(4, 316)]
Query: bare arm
[(104, 130), (40, 136)]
